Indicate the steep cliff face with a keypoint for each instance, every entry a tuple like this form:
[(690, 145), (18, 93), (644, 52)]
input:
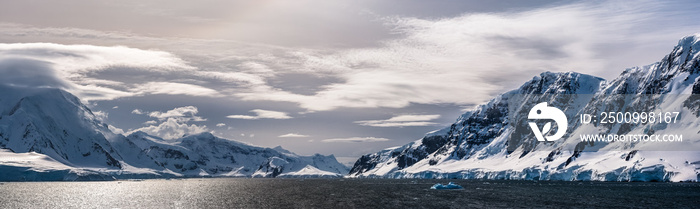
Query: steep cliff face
[(487, 129), (494, 140)]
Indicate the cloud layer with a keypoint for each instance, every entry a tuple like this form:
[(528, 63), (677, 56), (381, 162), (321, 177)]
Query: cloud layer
[(401, 121), (356, 139), (173, 123), (187, 113), (262, 114), (293, 135), (463, 60), (467, 59), (76, 68)]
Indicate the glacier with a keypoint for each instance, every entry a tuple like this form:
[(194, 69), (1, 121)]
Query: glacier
[(492, 141)]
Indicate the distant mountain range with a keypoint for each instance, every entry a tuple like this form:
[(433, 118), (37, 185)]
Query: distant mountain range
[(48, 134), (493, 141)]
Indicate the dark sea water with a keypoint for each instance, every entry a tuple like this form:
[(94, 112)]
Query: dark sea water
[(345, 193)]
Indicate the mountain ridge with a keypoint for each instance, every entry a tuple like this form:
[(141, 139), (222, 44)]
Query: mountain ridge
[(59, 138), (493, 141)]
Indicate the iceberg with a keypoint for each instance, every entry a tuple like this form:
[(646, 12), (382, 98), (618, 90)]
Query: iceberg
[(446, 186)]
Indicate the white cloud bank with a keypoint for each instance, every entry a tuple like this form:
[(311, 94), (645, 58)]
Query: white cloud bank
[(187, 113), (356, 139), (262, 114), (463, 60), (293, 135), (402, 121), (73, 68), (173, 123), (467, 59)]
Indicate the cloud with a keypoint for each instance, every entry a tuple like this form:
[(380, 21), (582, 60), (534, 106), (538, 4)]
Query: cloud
[(262, 114), (26, 72), (293, 135), (76, 60), (173, 88), (79, 68), (220, 124), (356, 139), (173, 123), (115, 129), (401, 121), (137, 111), (101, 115), (468, 59), (33, 33), (462, 60), (172, 128), (187, 113)]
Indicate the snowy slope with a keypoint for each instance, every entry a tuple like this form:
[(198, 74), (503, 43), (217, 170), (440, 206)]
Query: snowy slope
[(59, 138), (310, 172), (33, 166), (494, 142), (207, 155), (55, 123)]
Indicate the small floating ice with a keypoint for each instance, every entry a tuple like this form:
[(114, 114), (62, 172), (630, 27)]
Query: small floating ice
[(447, 186)]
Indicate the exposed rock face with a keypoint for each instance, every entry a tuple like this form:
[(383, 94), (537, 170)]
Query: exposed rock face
[(494, 140)]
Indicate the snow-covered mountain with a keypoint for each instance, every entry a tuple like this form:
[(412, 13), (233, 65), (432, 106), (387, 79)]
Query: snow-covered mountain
[(494, 141), (48, 134), (207, 155), (55, 123)]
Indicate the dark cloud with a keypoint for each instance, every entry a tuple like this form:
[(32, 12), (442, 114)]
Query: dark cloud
[(30, 73)]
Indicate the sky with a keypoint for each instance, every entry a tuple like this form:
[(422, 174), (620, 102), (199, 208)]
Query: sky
[(346, 77)]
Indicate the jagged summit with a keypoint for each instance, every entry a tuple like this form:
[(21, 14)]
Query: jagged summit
[(487, 124), (690, 41), (493, 141), (559, 83), (682, 63)]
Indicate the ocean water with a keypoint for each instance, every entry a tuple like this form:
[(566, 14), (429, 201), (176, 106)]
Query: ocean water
[(344, 193)]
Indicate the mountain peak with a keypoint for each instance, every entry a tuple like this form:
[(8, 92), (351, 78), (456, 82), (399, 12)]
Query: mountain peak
[(684, 53), (52, 121), (282, 150), (494, 141), (561, 83), (683, 63), (690, 40)]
